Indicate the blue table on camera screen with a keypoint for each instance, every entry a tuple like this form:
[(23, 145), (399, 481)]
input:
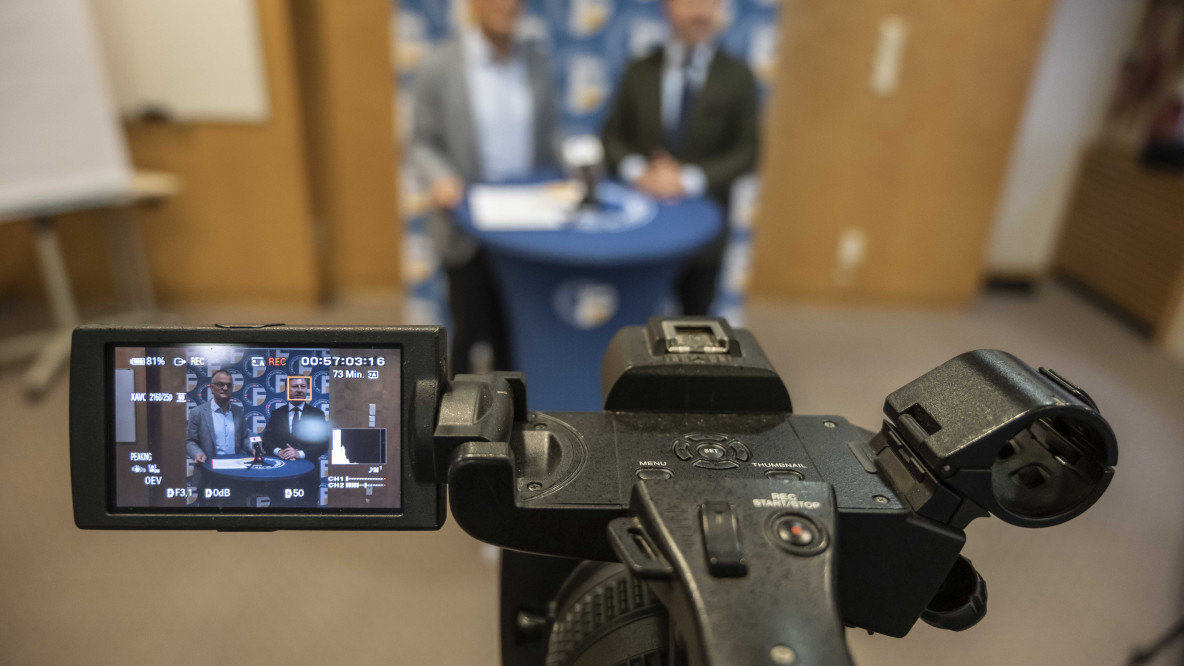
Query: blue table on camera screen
[(567, 292), (291, 475)]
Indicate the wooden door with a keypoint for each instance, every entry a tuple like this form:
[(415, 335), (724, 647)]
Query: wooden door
[(889, 197)]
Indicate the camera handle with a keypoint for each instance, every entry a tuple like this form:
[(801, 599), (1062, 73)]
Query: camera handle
[(746, 568)]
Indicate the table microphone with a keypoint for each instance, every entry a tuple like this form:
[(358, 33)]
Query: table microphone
[(257, 449), (584, 154)]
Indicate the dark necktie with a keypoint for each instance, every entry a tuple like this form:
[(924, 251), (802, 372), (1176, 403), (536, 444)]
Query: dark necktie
[(674, 140)]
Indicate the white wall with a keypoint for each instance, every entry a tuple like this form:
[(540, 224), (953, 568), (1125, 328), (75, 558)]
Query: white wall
[(60, 142), (1083, 48), (193, 60)]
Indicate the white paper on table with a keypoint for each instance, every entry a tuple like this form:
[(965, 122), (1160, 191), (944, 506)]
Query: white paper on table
[(545, 207), (230, 463)]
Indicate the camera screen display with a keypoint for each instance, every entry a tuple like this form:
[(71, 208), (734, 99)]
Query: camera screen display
[(231, 428)]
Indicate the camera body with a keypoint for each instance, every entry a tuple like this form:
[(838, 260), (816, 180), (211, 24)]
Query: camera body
[(761, 532)]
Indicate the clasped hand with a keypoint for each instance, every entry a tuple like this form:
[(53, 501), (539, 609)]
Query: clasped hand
[(662, 177)]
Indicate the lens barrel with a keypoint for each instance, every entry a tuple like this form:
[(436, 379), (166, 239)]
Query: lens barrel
[(607, 616)]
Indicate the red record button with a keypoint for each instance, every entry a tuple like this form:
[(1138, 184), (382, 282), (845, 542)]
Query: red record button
[(796, 531)]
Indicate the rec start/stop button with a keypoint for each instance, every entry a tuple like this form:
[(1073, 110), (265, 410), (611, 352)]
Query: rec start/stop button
[(796, 533)]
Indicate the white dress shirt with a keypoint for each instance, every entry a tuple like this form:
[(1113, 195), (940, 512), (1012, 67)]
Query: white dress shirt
[(675, 71), (223, 429), (503, 108)]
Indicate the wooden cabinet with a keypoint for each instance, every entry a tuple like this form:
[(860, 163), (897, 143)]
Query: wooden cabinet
[(1123, 238)]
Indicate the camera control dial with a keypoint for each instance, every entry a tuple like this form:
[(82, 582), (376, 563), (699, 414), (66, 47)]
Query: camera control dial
[(711, 450)]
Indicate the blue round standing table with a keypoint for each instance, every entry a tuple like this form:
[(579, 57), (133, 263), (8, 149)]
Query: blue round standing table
[(568, 291), (269, 481)]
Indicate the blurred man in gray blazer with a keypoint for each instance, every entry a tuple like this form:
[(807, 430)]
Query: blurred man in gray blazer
[(484, 112), (216, 428)]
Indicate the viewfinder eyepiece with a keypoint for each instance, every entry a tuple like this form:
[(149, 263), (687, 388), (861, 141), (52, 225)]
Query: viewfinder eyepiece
[(1028, 446)]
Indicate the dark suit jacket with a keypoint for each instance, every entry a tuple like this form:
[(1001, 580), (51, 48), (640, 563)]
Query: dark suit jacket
[(721, 132), (277, 435), (199, 431)]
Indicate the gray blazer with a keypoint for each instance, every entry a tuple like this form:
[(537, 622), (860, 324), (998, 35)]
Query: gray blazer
[(199, 435), (444, 138)]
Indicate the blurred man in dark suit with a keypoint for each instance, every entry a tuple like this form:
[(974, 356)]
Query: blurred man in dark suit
[(297, 431), (684, 124), (484, 111), (216, 427)]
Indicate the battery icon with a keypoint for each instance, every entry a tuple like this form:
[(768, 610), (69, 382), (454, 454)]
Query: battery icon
[(136, 361)]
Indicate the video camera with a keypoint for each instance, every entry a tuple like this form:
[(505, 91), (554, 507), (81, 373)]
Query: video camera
[(695, 520)]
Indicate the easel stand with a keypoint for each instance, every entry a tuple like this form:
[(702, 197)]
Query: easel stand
[(50, 349)]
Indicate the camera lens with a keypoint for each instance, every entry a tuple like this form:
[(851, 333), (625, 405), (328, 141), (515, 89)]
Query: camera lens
[(606, 616)]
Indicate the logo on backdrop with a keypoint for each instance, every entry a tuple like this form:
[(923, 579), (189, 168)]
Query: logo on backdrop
[(437, 16), (320, 382), (257, 422), (585, 304), (413, 42), (277, 382), (236, 377), (275, 404), (322, 405), (587, 83), (645, 35), (255, 395), (297, 367), (586, 17), (419, 256), (535, 30)]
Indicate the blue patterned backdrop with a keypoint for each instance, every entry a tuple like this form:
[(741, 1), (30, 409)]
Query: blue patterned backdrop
[(590, 41)]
